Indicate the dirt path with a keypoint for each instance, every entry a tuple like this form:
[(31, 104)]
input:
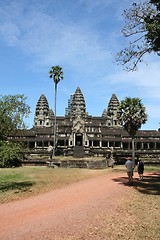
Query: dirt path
[(67, 213)]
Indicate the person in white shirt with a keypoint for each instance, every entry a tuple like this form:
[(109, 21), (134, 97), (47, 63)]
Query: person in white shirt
[(130, 167)]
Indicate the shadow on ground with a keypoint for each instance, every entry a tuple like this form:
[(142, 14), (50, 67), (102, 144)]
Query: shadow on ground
[(20, 186), (149, 185)]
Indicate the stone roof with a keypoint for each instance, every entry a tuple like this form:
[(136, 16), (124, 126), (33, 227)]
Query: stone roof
[(113, 103), (42, 104), (78, 106)]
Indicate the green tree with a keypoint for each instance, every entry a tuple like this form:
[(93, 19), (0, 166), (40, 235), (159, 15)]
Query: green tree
[(13, 110), (10, 154), (132, 114), (153, 28), (56, 73), (142, 28)]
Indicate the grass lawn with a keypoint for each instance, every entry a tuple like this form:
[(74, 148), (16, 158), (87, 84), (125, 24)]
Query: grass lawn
[(22, 182)]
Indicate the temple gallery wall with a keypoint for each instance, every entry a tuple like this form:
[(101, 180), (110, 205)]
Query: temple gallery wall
[(82, 135)]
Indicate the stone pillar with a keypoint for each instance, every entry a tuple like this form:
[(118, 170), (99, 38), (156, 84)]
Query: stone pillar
[(129, 145), (100, 143)]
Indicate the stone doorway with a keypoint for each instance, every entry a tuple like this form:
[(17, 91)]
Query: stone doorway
[(79, 139)]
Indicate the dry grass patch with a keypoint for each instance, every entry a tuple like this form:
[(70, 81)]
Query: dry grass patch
[(134, 218), (23, 182)]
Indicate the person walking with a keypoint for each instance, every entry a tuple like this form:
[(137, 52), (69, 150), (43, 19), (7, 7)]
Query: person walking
[(130, 167), (140, 169)]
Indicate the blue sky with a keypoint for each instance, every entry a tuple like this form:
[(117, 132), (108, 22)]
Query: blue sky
[(82, 36)]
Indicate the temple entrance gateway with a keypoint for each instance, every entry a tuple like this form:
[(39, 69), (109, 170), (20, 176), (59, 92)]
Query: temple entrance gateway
[(79, 139)]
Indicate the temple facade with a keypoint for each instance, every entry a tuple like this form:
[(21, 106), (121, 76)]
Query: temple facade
[(80, 134)]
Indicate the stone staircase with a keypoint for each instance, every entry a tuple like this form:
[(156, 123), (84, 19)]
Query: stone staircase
[(78, 152)]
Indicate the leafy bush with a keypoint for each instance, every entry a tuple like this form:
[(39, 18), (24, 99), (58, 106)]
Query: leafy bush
[(10, 154)]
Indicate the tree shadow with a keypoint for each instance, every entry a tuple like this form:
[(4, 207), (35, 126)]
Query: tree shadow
[(149, 185), (16, 186)]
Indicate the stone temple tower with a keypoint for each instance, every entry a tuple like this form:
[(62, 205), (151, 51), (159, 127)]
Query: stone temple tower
[(43, 115), (112, 111), (76, 107), (76, 111)]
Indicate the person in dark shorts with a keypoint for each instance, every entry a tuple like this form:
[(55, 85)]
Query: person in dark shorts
[(140, 169)]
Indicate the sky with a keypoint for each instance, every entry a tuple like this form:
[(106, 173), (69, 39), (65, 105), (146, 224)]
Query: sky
[(81, 36)]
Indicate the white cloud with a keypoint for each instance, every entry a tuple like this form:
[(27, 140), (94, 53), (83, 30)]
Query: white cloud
[(96, 3), (147, 77), (49, 38), (10, 33), (80, 37)]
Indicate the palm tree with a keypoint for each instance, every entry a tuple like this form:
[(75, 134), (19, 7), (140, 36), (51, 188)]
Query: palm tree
[(56, 73), (132, 114)]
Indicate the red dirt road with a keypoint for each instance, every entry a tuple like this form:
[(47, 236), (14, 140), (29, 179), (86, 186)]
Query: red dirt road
[(67, 213)]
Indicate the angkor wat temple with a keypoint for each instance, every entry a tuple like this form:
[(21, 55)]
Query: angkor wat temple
[(80, 134)]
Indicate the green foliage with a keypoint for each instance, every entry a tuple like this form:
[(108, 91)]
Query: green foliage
[(153, 28), (132, 115), (10, 154), (56, 73), (13, 110), (142, 27)]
